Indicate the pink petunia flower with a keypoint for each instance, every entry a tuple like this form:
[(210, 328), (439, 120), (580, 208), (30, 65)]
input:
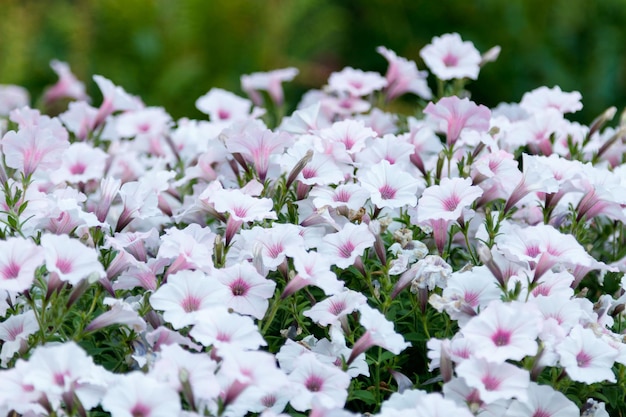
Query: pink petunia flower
[(225, 330), (544, 98), (587, 358), (355, 82), (14, 333), (19, 258), (342, 248), (315, 381), (454, 115), (186, 293), (543, 401), (70, 260), (449, 57), (390, 185), (403, 76), (67, 85), (331, 310), (249, 290), (270, 81), (494, 381), (137, 394), (224, 106), (504, 331)]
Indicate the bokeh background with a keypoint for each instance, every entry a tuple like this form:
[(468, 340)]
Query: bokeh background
[(172, 51)]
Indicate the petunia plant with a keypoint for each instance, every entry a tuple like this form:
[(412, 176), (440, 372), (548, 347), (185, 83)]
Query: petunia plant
[(340, 260)]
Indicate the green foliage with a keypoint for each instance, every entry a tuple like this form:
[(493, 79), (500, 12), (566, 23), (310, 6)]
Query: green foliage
[(170, 53)]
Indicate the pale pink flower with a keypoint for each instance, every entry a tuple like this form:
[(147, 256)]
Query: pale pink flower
[(403, 76), (186, 293), (332, 309), (538, 131), (379, 332), (249, 290), (447, 200), (114, 98), (17, 395), (321, 169), (305, 120), (189, 248), (62, 370), (67, 86), (465, 293), (243, 369), (504, 331), (224, 330), (537, 178), (494, 381), (39, 142), (224, 106), (543, 401), (121, 312), (80, 163), (350, 195), (140, 199), (544, 98), (312, 269), (137, 394), (542, 246), (187, 372), (453, 115), (79, 118), (394, 149), (241, 208), (342, 248), (70, 260), (434, 405), (317, 382), (267, 246), (351, 135), (19, 259), (448, 57), (257, 145), (390, 185), (270, 81), (12, 97), (587, 358), (14, 332), (355, 82), (147, 122), (497, 174)]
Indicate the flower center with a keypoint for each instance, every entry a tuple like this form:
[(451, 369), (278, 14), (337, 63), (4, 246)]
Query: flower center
[(239, 287), (314, 383), (387, 192), (501, 338), (191, 303)]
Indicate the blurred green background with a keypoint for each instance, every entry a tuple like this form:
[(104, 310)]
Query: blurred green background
[(172, 51)]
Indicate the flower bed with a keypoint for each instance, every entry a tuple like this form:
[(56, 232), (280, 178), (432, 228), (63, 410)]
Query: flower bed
[(338, 260)]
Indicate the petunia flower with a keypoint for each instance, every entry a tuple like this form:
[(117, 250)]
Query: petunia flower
[(453, 115), (544, 401), (70, 260), (449, 57), (315, 381), (403, 76), (494, 381), (68, 86), (342, 248), (138, 394), (390, 185), (355, 82), (19, 258), (248, 291), (186, 293), (270, 81)]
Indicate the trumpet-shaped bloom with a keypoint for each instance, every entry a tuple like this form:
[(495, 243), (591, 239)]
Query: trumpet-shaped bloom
[(267, 81), (333, 308), (80, 163), (390, 185), (39, 142), (19, 258), (342, 248), (185, 294), (355, 82), (317, 382), (448, 57), (504, 331), (137, 394), (543, 401), (452, 115), (224, 330), (70, 259), (494, 381), (403, 76), (224, 106), (14, 332), (249, 290), (587, 358), (543, 98), (447, 200), (67, 85)]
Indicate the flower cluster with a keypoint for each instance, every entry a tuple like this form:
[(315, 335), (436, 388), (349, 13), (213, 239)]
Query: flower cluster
[(338, 260)]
